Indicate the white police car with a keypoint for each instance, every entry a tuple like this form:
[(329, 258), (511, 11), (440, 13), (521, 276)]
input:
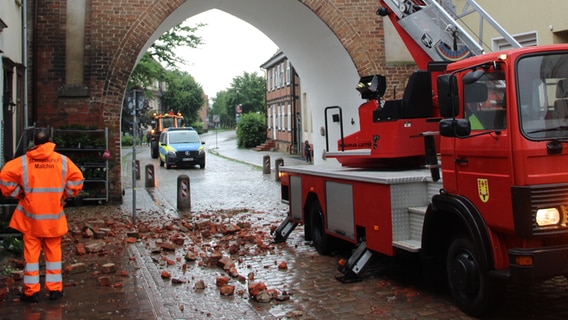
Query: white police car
[(181, 147)]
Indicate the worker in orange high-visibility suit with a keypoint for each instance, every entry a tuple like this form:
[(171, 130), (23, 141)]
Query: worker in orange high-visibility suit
[(42, 180)]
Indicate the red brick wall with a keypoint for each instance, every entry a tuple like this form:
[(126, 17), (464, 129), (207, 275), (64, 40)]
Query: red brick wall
[(116, 33)]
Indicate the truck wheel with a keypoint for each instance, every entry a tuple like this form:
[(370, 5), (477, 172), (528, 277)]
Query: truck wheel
[(154, 153), (474, 291), (323, 243)]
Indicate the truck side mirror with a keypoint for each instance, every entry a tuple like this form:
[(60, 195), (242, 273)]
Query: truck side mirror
[(455, 128), (448, 95)]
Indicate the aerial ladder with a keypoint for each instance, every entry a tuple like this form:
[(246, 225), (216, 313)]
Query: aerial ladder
[(431, 31)]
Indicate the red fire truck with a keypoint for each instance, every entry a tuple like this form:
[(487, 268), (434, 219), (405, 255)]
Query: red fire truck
[(495, 124)]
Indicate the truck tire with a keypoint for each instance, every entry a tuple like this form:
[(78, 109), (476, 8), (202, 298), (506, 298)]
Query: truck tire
[(154, 153), (322, 242), (474, 291)]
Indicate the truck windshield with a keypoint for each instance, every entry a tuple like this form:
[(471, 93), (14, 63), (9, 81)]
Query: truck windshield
[(167, 122), (542, 90)]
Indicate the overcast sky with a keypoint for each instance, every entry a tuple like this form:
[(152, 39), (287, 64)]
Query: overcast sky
[(231, 47)]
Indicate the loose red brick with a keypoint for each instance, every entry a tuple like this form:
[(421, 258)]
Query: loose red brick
[(221, 281), (227, 290), (104, 281), (108, 268)]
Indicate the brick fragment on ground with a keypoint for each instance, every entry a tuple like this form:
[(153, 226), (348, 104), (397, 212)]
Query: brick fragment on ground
[(17, 275), (166, 275), (227, 290), (104, 281), (190, 256), (283, 265), (80, 249), (95, 247), (3, 293), (256, 287), (263, 297), (76, 268), (221, 281), (108, 268), (225, 263), (200, 285), (167, 246), (88, 233)]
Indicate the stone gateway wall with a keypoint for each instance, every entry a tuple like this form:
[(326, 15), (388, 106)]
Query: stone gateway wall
[(80, 77)]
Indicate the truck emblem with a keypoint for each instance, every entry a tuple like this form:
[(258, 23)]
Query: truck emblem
[(483, 189), (187, 153)]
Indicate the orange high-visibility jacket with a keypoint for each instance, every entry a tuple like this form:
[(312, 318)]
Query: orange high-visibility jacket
[(42, 180)]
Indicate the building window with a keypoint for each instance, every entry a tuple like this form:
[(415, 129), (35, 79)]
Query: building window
[(288, 72), (289, 125), (268, 112), (272, 86), (281, 78)]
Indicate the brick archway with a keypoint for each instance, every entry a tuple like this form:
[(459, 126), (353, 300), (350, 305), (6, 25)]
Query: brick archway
[(347, 35)]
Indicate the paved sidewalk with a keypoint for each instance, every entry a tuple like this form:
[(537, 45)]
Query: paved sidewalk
[(223, 143)]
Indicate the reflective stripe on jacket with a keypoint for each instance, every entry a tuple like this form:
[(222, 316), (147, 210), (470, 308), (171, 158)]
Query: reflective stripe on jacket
[(42, 180)]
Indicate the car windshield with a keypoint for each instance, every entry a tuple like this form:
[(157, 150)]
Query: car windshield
[(184, 137), (543, 96)]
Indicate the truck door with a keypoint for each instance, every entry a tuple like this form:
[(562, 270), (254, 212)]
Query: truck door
[(483, 161)]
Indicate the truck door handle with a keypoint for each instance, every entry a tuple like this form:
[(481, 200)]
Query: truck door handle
[(462, 162)]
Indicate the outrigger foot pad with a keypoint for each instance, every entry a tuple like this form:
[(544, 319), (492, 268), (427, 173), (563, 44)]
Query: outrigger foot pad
[(284, 230)]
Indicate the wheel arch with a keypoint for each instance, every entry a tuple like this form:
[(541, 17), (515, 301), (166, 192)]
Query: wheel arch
[(449, 216)]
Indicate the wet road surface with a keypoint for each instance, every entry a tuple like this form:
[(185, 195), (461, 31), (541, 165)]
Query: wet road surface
[(229, 192)]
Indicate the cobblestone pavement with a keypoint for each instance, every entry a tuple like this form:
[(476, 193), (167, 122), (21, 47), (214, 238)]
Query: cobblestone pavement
[(235, 193)]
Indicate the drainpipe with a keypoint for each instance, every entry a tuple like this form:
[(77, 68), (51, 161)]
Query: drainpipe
[(25, 58), (34, 64)]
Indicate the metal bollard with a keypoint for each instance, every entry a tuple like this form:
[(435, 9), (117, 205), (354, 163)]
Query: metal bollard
[(277, 163), (137, 169), (266, 164), (183, 193), (150, 176)]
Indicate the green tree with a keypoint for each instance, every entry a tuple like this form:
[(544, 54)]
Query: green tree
[(220, 107), (184, 95), (252, 130), (149, 68), (247, 90)]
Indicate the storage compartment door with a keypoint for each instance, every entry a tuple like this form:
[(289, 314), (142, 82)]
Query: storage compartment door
[(339, 204)]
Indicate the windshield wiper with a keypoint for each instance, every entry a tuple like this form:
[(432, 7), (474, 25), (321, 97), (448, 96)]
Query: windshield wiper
[(559, 128)]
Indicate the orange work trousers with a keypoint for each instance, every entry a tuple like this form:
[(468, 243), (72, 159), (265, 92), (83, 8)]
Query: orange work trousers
[(52, 252)]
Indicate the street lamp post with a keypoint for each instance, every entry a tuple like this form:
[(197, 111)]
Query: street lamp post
[(137, 100)]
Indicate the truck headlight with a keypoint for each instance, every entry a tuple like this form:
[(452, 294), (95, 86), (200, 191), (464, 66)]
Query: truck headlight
[(547, 217)]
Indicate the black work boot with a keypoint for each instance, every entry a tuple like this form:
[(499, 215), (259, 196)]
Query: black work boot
[(33, 298), (55, 295)]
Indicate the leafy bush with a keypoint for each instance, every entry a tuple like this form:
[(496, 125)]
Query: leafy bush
[(126, 140), (197, 126), (251, 131)]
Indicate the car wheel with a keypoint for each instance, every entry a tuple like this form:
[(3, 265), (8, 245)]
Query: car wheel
[(168, 166), (161, 163), (202, 165), (323, 243)]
